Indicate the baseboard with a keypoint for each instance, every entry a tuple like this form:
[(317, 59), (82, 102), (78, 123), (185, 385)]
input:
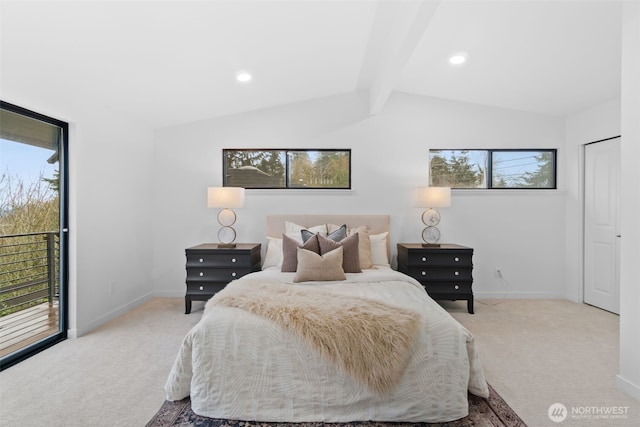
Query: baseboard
[(516, 295), (168, 294), (78, 332), (627, 387)]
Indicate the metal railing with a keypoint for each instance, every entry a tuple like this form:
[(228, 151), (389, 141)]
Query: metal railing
[(28, 270)]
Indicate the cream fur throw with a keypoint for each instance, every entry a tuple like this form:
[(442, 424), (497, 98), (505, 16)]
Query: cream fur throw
[(368, 339)]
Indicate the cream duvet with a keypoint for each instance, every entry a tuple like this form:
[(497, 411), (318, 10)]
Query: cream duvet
[(373, 347)]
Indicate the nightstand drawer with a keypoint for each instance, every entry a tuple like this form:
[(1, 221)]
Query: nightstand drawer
[(449, 258), (218, 260), (204, 288), (216, 275), (448, 288), (439, 273)]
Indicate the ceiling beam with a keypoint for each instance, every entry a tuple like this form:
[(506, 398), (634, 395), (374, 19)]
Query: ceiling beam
[(403, 25)]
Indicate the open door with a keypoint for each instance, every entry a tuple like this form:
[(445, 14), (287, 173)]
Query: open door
[(601, 251)]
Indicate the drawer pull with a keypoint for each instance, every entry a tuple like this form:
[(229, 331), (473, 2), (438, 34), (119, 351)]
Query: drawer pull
[(456, 273), (202, 288), (424, 273), (456, 259), (424, 259), (456, 287), (233, 260), (201, 260), (201, 274), (233, 274)]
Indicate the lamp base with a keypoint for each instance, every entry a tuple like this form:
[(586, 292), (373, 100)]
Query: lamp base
[(431, 245), (226, 245)]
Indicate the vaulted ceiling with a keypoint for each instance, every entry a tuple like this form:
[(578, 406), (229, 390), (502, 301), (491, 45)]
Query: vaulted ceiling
[(171, 62)]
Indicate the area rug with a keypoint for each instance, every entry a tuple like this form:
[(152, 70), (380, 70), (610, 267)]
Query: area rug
[(491, 412)]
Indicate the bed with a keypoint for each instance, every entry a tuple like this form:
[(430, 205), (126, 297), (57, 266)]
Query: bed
[(286, 346)]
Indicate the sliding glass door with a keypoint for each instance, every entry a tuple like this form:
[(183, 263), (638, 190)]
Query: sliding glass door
[(33, 232)]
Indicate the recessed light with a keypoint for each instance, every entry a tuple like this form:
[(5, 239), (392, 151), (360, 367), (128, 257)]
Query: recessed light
[(243, 77), (458, 59)]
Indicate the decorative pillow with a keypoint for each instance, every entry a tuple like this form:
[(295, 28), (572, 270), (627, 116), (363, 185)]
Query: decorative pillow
[(273, 257), (336, 235), (364, 243), (379, 255), (315, 267), (292, 229), (350, 256), (290, 251)]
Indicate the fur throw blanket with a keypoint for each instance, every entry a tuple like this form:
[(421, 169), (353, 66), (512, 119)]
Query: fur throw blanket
[(368, 339)]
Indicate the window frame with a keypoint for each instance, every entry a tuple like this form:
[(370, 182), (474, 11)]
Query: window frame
[(287, 167), (489, 167), (63, 254)]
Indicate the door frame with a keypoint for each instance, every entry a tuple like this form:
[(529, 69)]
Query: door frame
[(63, 273), (583, 161)]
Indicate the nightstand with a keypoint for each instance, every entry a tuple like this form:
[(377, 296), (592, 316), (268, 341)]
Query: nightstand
[(445, 271), (210, 268)]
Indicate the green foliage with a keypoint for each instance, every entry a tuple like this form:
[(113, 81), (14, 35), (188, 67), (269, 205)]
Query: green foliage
[(543, 176), (269, 161), (456, 171), (330, 169), (24, 209), (27, 208)]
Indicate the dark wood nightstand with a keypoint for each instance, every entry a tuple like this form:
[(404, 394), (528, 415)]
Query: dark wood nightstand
[(210, 268), (445, 271)]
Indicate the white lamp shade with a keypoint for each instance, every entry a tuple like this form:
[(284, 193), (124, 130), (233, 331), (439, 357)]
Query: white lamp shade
[(434, 197), (225, 197)]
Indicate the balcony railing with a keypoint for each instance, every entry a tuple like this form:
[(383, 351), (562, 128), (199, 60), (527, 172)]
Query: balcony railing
[(28, 271)]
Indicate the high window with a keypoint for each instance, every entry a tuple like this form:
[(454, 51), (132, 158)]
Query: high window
[(493, 169), (276, 168)]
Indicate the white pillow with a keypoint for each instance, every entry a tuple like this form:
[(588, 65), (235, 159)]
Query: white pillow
[(379, 254), (273, 257), (293, 230)]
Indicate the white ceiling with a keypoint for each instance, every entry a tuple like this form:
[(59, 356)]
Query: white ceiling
[(171, 62)]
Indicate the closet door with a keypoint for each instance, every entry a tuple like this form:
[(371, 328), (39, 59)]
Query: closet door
[(601, 234)]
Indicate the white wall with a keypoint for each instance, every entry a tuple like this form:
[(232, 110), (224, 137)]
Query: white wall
[(595, 124), (629, 377), (110, 205), (521, 232)]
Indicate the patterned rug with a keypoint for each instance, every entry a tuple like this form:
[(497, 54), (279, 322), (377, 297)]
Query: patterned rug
[(491, 412)]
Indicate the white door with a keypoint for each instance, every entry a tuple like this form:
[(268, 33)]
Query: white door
[(602, 177)]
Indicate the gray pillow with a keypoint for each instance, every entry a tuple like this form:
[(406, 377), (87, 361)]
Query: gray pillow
[(290, 251), (336, 235)]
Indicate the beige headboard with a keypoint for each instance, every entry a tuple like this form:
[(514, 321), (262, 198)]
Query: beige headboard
[(377, 223)]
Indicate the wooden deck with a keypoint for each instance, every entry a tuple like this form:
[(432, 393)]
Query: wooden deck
[(25, 327)]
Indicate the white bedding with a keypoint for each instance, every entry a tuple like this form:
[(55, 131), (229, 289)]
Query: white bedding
[(237, 365)]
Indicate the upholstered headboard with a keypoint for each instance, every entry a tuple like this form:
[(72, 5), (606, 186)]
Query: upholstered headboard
[(377, 223)]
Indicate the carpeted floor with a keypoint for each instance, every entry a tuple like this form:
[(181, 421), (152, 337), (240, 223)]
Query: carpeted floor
[(491, 412), (534, 352)]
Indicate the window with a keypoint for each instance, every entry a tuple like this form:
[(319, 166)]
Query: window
[(33, 238), (278, 168), (493, 169)]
